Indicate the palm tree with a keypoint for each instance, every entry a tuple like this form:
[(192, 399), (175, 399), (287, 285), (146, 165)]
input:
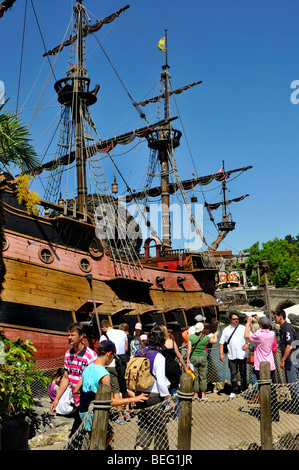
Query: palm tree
[(15, 148), (15, 144)]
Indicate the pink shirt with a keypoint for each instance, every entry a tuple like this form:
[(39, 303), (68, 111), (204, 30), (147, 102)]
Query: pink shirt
[(263, 340)]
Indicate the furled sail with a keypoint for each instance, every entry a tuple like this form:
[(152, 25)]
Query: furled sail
[(216, 205), (86, 30), (103, 146), (158, 98), (187, 185), (6, 5)]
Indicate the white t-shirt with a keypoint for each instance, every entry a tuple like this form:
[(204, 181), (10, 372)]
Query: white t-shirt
[(118, 337), (191, 330), (159, 385), (236, 343)]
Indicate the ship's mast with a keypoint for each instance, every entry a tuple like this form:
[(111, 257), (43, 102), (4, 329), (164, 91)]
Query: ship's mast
[(78, 83), (163, 157), (73, 92), (164, 140), (227, 224)]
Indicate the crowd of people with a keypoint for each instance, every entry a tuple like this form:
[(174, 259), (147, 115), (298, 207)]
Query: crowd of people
[(84, 369)]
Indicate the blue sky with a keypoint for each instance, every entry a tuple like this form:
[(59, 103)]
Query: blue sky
[(246, 54)]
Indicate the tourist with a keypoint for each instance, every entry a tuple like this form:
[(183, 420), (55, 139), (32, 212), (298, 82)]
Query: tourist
[(289, 361), (138, 329), (93, 376), (117, 367), (173, 358), (125, 327), (152, 422), (143, 341), (197, 355), (233, 335), (66, 405), (191, 330), (136, 341), (54, 384), (264, 344), (264, 348), (76, 359), (173, 371)]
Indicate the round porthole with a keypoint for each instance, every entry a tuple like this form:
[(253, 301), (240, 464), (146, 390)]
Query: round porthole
[(95, 249), (5, 244), (84, 264), (46, 255)]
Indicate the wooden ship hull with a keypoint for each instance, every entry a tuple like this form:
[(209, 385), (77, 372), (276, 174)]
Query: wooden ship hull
[(55, 275)]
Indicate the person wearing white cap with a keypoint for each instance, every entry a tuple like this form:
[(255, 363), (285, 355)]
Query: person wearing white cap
[(196, 353), (135, 343), (198, 318)]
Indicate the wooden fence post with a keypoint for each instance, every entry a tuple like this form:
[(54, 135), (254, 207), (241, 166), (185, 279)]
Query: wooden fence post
[(102, 405), (265, 406), (185, 412)]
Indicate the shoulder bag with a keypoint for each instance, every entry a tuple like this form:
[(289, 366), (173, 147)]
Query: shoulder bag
[(194, 346), (225, 344)]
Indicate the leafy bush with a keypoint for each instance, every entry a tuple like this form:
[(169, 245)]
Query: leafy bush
[(17, 373)]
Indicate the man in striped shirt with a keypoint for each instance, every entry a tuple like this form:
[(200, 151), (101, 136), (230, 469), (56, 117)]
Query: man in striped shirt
[(76, 359)]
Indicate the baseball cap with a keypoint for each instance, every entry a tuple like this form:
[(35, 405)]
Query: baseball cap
[(138, 326), (264, 321), (107, 346), (143, 337)]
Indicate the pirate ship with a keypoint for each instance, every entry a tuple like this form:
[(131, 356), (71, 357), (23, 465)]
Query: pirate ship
[(82, 257)]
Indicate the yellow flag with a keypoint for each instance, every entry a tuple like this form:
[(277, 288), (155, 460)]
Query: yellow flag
[(161, 44)]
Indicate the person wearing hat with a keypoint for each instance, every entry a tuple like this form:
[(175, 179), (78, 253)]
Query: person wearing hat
[(96, 374), (196, 353), (117, 367), (191, 330), (265, 347), (136, 341)]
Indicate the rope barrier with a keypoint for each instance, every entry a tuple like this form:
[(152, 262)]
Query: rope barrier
[(101, 405), (264, 382)]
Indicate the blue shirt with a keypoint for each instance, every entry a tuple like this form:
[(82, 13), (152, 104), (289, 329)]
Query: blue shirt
[(90, 384)]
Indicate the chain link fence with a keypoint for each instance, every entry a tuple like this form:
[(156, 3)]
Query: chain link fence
[(219, 423)]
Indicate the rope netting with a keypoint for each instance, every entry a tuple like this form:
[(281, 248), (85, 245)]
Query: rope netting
[(218, 423)]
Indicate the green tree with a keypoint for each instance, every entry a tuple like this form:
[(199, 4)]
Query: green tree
[(15, 147), (283, 261)]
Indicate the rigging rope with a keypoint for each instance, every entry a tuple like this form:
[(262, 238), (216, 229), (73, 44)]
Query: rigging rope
[(21, 60)]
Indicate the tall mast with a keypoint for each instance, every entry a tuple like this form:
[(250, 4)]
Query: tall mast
[(73, 92), (163, 157), (226, 224), (78, 83), (164, 140)]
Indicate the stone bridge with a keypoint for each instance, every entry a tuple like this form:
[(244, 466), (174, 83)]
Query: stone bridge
[(284, 297)]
